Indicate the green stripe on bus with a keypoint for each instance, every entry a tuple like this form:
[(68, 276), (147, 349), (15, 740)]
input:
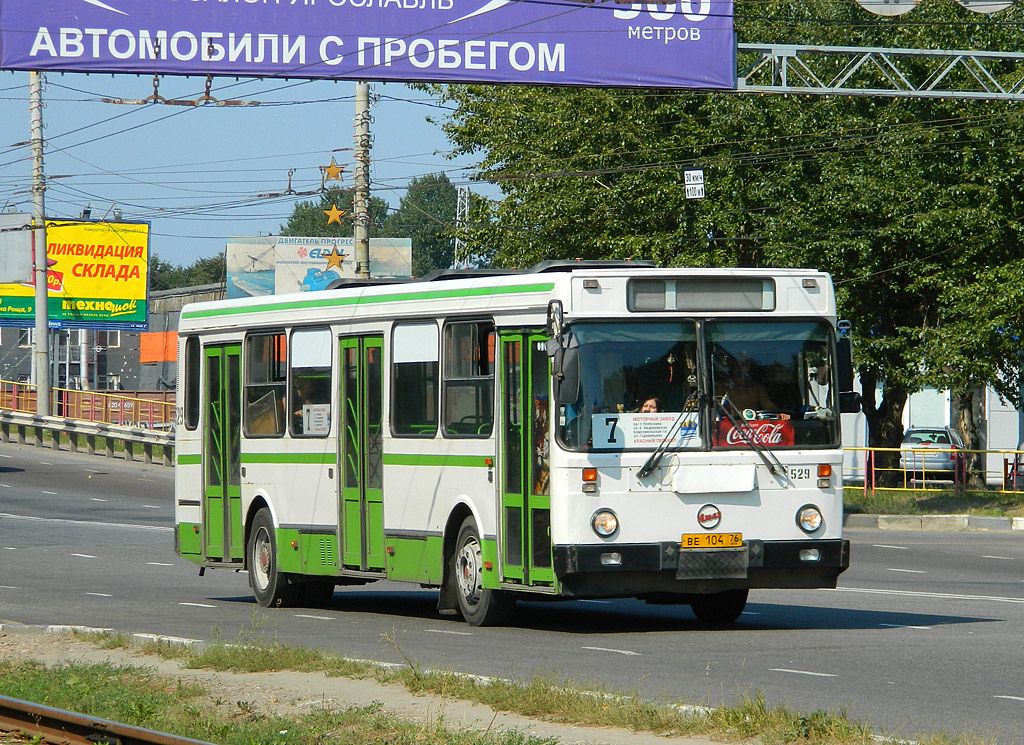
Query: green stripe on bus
[(324, 459), (190, 460), (427, 459), (397, 297)]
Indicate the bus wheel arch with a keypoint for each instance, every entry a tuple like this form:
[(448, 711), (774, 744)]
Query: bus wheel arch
[(257, 504), (447, 601)]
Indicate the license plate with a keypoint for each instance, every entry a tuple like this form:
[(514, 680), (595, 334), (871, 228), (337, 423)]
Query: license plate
[(712, 540)]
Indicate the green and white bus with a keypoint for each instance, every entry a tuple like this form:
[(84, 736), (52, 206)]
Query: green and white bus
[(578, 430)]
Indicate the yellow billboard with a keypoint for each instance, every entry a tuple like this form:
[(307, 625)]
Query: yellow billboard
[(97, 276)]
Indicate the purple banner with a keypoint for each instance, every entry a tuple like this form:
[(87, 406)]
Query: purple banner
[(685, 44)]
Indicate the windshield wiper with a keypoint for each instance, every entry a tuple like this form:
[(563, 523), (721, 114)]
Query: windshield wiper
[(766, 456), (689, 407)]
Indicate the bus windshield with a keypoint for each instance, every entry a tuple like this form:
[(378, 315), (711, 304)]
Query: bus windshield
[(769, 383), (632, 378)]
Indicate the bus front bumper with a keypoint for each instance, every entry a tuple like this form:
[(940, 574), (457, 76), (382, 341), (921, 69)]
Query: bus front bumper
[(638, 569)]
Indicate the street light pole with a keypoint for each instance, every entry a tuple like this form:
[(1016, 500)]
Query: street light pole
[(41, 347)]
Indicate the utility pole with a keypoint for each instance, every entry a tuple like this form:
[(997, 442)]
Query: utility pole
[(41, 348), (361, 195)]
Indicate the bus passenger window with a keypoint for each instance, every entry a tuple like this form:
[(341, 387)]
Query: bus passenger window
[(415, 356), (310, 405), (469, 379), (192, 380), (265, 369)]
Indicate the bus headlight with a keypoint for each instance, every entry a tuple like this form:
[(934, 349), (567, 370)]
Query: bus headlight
[(605, 523), (809, 518)]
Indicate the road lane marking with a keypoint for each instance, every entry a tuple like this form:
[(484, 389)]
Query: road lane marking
[(45, 463), (597, 602), (51, 493), (1001, 558), (898, 548), (10, 548), (904, 626), (907, 571), (97, 499), (198, 605), (8, 587), (98, 523), (84, 556), (1011, 698), (318, 618), (152, 507), (918, 594), (801, 672), (6, 486), (158, 564), (452, 633), (99, 594), (615, 651)]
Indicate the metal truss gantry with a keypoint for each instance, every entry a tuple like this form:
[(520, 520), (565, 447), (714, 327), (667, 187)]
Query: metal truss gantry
[(869, 71)]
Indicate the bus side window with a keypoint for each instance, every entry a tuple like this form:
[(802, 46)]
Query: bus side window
[(310, 405), (415, 356), (265, 370), (468, 392)]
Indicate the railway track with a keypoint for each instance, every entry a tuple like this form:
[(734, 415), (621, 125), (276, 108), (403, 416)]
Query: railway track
[(24, 721)]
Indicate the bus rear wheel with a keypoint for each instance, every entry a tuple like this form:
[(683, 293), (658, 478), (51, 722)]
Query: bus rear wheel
[(719, 607), (479, 606), (272, 587)]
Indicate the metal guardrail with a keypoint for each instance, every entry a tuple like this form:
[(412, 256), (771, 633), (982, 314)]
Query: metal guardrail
[(83, 436), (47, 724)]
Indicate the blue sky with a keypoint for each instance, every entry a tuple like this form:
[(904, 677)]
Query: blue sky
[(196, 173)]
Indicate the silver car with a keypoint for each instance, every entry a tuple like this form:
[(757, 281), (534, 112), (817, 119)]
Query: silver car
[(931, 453)]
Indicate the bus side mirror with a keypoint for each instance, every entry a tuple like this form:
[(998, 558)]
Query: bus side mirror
[(565, 369), (844, 363), (849, 402)]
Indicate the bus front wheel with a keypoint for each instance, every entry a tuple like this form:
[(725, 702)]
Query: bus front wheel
[(719, 607), (479, 606), (271, 586)]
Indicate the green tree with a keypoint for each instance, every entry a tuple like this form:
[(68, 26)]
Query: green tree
[(426, 214), (166, 276), (308, 216), (905, 202)]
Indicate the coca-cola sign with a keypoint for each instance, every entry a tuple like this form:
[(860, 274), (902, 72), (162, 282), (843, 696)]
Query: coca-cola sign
[(768, 434)]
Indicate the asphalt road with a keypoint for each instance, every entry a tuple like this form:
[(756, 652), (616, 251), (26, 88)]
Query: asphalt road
[(922, 635)]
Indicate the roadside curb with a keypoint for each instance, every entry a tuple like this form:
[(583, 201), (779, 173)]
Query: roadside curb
[(933, 523)]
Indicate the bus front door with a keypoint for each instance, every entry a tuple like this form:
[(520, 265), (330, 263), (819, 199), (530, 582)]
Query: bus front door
[(360, 443), (525, 542), (222, 508)]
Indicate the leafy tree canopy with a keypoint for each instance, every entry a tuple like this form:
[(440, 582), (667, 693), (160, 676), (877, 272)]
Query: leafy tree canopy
[(166, 276), (426, 214)]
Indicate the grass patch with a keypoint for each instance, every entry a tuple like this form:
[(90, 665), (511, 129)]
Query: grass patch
[(934, 502), (133, 695), (549, 698)]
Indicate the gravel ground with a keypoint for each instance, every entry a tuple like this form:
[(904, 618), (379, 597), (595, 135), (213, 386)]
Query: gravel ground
[(291, 692)]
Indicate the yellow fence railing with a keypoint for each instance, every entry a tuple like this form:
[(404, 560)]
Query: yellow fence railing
[(934, 468), (144, 409)]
